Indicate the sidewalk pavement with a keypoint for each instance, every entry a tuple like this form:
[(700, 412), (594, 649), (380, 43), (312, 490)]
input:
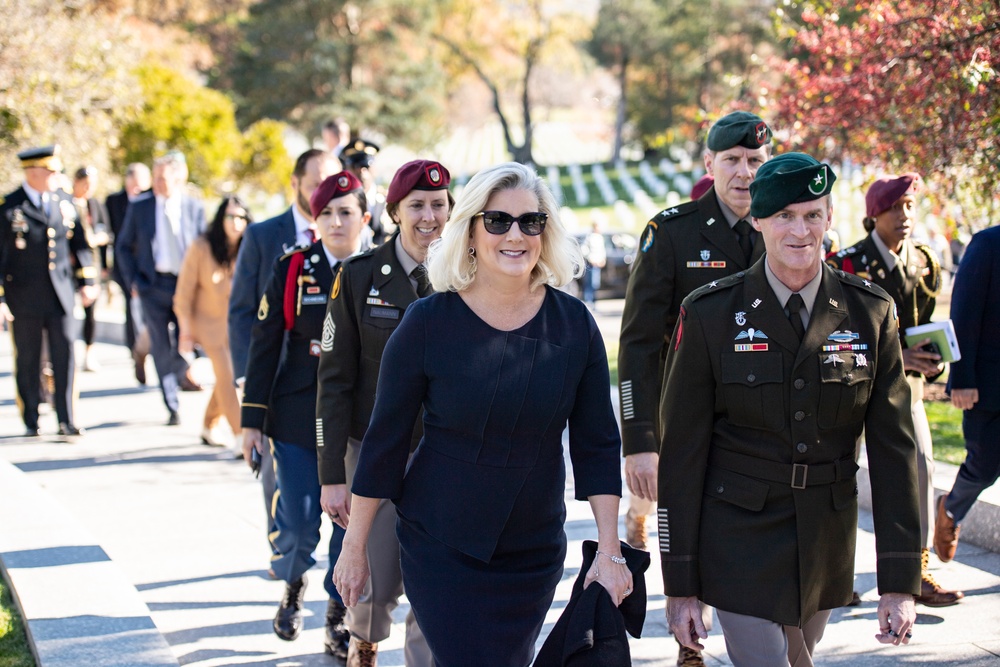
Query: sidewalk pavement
[(139, 546)]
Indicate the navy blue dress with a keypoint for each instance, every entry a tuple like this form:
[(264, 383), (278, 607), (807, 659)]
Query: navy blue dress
[(481, 507)]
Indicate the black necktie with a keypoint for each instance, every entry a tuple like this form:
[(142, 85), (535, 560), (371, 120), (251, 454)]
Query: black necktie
[(794, 305), (423, 282), (744, 230)]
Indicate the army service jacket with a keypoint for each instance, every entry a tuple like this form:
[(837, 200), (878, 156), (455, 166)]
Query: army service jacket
[(683, 248), (757, 491), (366, 305), (280, 392), (38, 250), (914, 291)]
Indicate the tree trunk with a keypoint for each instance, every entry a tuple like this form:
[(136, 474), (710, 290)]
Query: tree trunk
[(616, 150)]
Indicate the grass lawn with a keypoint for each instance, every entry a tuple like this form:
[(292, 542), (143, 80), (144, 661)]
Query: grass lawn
[(946, 429), (14, 651)]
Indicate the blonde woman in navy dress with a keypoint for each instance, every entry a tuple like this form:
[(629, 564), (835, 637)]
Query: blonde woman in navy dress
[(498, 362)]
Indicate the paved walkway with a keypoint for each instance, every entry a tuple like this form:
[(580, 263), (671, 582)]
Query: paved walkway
[(140, 539)]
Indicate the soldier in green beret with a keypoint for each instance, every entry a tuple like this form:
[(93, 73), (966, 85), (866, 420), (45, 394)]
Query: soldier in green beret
[(682, 248), (777, 370)]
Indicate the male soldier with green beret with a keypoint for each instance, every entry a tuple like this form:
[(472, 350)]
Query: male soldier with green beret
[(682, 248), (777, 369)]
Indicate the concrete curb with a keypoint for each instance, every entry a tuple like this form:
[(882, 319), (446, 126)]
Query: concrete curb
[(77, 605)]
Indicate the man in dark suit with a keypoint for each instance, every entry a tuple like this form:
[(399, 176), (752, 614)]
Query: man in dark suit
[(158, 229), (761, 412), (975, 311), (137, 181), (264, 242), (683, 248), (41, 239)]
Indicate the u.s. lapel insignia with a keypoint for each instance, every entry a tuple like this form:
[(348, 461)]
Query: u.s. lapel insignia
[(860, 361), (833, 303), (386, 269), (264, 307), (741, 318), (834, 359), (756, 302), (710, 222)]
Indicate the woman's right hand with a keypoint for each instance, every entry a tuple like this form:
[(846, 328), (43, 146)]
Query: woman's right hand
[(351, 573), (252, 438)]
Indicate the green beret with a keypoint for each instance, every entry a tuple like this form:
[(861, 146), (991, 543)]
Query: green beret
[(739, 128), (788, 179)]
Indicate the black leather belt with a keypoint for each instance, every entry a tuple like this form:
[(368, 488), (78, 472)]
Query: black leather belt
[(796, 475)]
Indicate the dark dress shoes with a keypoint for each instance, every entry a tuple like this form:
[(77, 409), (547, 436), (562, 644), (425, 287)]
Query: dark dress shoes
[(140, 367), (174, 419), (31, 432), (337, 636), (288, 620)]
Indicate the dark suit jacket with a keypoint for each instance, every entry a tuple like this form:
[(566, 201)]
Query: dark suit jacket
[(363, 312), (749, 419), (975, 311), (134, 246), (683, 248), (591, 631), (42, 259), (280, 392), (117, 206), (263, 242)]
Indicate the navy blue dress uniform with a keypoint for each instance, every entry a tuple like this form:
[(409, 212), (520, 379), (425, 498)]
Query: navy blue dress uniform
[(757, 491), (681, 249), (481, 505), (44, 258)]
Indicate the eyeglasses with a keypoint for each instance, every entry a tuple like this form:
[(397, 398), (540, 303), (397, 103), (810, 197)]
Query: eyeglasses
[(499, 222)]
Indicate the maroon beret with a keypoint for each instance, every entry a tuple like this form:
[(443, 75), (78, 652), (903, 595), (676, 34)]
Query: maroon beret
[(417, 175), (702, 186), (887, 190), (337, 185)]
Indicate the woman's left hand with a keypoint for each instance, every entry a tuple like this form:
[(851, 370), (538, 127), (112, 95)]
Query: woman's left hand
[(616, 579)]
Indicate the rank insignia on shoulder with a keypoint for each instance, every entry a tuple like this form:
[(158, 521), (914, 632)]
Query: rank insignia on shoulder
[(714, 283), (750, 334)]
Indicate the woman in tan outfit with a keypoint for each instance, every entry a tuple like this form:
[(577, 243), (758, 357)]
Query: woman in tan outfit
[(201, 304)]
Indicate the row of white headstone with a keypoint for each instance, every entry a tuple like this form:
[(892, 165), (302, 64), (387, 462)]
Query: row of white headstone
[(649, 196)]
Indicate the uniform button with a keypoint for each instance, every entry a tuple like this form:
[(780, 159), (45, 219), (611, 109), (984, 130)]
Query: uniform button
[(848, 377), (800, 383), (799, 416), (720, 489), (751, 377), (52, 233), (52, 266), (52, 244), (802, 447), (52, 255)]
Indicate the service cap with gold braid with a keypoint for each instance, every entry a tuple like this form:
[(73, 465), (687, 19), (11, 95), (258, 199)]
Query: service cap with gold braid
[(789, 178), (46, 157), (360, 153)]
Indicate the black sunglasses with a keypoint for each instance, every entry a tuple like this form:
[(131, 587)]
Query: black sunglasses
[(499, 222)]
